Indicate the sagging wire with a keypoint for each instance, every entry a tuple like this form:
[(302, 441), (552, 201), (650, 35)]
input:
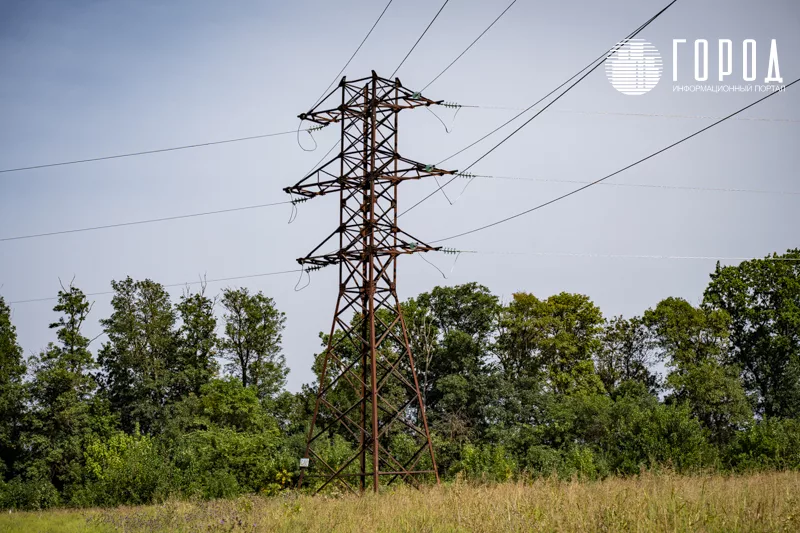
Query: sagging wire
[(307, 272), (294, 202), (470, 178), (293, 213), (308, 130), (457, 253), (434, 266), (429, 168), (457, 107), (452, 105), (452, 121), (447, 251)]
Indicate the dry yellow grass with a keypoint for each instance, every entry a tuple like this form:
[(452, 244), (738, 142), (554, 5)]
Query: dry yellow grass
[(761, 502)]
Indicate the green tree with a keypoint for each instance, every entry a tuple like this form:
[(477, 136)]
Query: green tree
[(694, 343), (221, 403), (455, 326), (762, 298), (12, 370), (555, 338), (252, 341), (194, 364), (625, 354), (140, 356), (65, 411)]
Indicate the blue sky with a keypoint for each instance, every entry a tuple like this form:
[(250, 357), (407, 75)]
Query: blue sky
[(88, 78)]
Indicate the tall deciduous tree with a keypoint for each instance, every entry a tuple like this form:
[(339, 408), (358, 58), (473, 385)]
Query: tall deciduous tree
[(140, 355), (555, 339), (252, 341), (12, 369), (694, 342), (762, 298), (456, 369), (194, 364), (626, 354), (62, 394)]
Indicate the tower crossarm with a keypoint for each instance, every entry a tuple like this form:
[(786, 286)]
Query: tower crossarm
[(326, 179), (389, 94), (353, 254)]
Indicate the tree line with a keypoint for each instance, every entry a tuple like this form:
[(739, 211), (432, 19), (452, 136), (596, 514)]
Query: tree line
[(188, 398)]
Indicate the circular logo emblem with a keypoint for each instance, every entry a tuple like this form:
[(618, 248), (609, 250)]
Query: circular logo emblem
[(634, 67)]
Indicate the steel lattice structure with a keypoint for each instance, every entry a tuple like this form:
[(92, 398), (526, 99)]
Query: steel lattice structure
[(368, 386)]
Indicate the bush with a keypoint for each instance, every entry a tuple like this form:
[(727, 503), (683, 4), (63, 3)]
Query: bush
[(583, 463), (768, 444), (127, 469), (28, 494), (486, 463), (649, 434), (542, 461), (221, 462)]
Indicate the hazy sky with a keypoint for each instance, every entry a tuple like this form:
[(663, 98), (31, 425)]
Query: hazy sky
[(81, 79)]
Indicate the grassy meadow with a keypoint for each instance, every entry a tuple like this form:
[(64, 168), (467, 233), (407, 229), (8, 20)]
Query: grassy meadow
[(759, 502)]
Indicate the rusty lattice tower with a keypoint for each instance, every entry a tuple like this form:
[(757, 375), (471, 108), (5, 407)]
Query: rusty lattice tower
[(368, 386)]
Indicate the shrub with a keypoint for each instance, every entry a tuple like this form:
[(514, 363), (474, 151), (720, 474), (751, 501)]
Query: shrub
[(126, 469), (542, 461), (769, 444), (222, 462), (648, 434), (486, 463), (28, 494), (582, 462)]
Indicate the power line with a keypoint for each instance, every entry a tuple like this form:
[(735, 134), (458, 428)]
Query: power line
[(137, 222), (644, 185), (593, 255), (601, 58), (629, 256), (157, 151), (554, 100), (420, 38), (624, 114), (453, 62), (153, 220), (591, 67), (338, 76), (203, 281), (579, 189), (672, 115)]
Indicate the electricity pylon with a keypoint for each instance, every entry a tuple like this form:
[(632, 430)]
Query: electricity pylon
[(368, 387)]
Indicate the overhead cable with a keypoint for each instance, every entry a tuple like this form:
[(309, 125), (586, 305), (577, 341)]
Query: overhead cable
[(626, 114), (148, 221), (641, 185), (185, 283), (420, 38), (453, 62), (339, 75), (583, 73), (579, 189), (156, 151)]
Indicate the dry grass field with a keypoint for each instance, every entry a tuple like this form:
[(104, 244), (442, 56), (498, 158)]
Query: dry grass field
[(760, 502)]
